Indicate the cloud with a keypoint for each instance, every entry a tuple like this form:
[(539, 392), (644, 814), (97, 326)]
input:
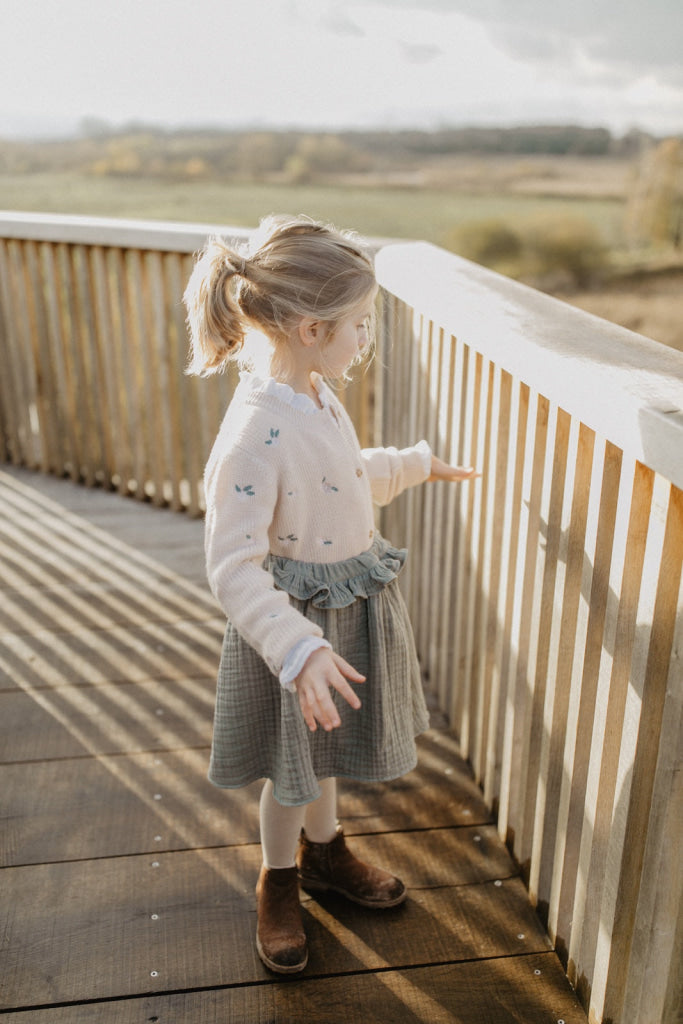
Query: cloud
[(419, 53), (632, 38), (336, 20)]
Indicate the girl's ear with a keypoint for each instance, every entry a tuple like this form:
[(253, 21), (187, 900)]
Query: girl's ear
[(311, 331)]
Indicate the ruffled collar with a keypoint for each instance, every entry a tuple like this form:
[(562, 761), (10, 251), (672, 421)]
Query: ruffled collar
[(285, 393)]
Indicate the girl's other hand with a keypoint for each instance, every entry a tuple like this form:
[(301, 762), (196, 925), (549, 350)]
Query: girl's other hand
[(322, 670), (442, 471)]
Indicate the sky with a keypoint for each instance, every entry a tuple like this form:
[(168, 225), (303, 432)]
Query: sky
[(325, 64)]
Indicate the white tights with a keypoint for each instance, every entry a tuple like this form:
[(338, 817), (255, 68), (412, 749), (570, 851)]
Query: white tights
[(280, 826)]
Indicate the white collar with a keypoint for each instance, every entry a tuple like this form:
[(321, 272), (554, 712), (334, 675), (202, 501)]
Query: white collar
[(285, 393)]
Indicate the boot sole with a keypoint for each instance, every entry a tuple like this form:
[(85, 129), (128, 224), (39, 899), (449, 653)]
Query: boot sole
[(272, 965), (312, 885)]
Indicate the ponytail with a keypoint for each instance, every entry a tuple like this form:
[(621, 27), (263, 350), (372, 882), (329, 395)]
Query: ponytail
[(215, 321)]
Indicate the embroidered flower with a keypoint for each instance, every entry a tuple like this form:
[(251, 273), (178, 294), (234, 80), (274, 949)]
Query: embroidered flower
[(324, 542), (328, 487), (245, 491), (274, 437), (289, 537)]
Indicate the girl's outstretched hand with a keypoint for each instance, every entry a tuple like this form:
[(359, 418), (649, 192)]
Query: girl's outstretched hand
[(442, 471), (322, 670)]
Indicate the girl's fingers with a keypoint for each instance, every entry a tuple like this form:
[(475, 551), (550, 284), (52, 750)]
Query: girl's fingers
[(314, 693), (319, 708), (442, 471), (348, 670)]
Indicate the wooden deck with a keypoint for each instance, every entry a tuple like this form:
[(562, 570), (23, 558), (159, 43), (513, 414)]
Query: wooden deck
[(127, 879)]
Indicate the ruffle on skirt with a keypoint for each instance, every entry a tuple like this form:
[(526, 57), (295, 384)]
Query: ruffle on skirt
[(338, 584), (259, 730)]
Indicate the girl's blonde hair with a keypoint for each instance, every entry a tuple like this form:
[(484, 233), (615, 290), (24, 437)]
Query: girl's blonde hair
[(301, 269)]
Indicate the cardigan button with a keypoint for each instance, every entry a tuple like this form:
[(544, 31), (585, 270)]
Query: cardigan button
[(359, 472)]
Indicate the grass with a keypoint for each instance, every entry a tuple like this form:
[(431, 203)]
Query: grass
[(424, 213)]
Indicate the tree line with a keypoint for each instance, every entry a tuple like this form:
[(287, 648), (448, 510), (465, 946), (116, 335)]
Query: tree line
[(295, 156)]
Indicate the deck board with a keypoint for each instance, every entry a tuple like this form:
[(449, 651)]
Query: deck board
[(106, 695), (529, 989), (71, 916)]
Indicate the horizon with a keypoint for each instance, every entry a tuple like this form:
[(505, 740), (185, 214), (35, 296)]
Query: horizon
[(94, 128)]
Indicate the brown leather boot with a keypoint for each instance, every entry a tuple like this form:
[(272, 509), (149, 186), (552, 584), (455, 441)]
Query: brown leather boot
[(324, 866), (280, 936)]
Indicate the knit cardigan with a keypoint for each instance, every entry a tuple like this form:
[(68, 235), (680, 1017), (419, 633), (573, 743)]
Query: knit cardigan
[(288, 478)]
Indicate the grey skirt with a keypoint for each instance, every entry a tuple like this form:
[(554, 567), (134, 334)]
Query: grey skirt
[(259, 730)]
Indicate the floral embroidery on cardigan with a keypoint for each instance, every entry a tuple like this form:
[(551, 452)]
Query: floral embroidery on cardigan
[(328, 487), (274, 437)]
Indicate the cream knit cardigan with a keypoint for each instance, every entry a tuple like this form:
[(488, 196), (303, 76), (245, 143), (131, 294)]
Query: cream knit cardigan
[(287, 477)]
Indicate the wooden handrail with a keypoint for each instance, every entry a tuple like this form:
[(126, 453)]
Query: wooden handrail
[(161, 236), (624, 386)]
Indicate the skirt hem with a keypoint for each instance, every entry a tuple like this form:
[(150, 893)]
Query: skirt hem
[(353, 777)]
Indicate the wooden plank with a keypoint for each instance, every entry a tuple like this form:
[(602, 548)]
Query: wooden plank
[(497, 557), (91, 405), (518, 413), (592, 898), (77, 721), (34, 313), (104, 805), (529, 988), (115, 806), (127, 653), (658, 609), (22, 365), (482, 596), (79, 931), (114, 315), (450, 439), (561, 654), (101, 523), (599, 595), (515, 749), (657, 800), (57, 327), (431, 528), (175, 359), (541, 678), (153, 319), (462, 606), (28, 607), (8, 398), (79, 375)]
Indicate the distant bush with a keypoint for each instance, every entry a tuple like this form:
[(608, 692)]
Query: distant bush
[(655, 207), (491, 242), (563, 249), (547, 251), (323, 155)]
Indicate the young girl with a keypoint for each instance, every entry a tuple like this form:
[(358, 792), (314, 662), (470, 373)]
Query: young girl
[(318, 634)]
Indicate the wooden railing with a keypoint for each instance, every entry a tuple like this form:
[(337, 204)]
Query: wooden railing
[(546, 596)]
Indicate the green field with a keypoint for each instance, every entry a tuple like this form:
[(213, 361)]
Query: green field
[(378, 211)]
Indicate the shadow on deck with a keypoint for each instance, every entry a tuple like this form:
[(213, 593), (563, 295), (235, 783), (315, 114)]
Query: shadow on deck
[(127, 879)]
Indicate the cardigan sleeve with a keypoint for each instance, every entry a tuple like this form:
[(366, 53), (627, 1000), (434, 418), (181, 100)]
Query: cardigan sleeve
[(391, 471), (241, 494)]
